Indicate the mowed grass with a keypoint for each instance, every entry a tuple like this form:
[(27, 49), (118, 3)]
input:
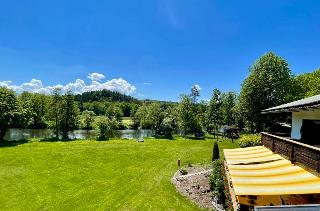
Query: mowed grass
[(92, 175)]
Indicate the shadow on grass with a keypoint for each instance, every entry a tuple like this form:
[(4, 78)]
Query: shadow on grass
[(54, 139), (195, 138), (164, 137), (215, 138), (12, 143)]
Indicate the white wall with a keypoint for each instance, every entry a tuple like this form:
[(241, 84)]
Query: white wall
[(297, 118)]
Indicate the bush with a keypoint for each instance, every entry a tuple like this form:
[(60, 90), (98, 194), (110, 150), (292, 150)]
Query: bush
[(105, 127), (217, 182), (250, 140), (167, 127), (215, 151), (183, 171)]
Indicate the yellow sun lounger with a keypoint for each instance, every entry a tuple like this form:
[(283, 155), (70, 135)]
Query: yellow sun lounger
[(257, 171)]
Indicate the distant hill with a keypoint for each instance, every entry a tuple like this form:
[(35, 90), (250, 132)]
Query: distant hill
[(158, 101), (104, 95)]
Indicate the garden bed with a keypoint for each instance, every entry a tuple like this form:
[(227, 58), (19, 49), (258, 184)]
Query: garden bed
[(195, 186)]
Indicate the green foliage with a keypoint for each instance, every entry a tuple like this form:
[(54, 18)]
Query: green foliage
[(63, 113), (87, 119), (9, 110), (54, 114), (148, 116), (189, 123), (215, 152), (105, 127), (307, 84), (97, 107), (201, 109), (68, 116), (183, 171), (26, 113), (239, 119), (127, 123), (39, 103), (33, 110), (214, 118), (113, 110), (156, 117), (139, 119), (217, 182), (250, 140), (104, 95), (270, 83), (167, 126), (228, 107)]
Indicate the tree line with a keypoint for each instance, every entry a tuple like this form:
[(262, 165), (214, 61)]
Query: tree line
[(63, 113), (270, 82), (60, 112)]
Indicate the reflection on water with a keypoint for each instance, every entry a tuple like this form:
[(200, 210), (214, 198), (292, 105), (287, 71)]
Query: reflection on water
[(19, 134)]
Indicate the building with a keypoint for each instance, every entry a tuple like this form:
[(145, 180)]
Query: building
[(305, 119), (285, 170)]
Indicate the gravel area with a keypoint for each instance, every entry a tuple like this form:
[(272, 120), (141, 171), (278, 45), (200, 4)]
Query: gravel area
[(195, 186)]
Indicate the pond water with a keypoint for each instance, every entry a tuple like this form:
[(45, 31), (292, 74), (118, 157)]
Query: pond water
[(20, 134)]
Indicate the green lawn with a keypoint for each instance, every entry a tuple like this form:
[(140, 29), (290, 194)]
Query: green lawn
[(92, 175)]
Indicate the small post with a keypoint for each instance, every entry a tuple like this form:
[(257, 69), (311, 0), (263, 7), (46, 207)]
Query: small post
[(318, 167), (179, 163), (292, 157), (273, 145), (232, 135)]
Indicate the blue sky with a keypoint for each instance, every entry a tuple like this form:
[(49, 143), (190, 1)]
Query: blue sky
[(153, 48)]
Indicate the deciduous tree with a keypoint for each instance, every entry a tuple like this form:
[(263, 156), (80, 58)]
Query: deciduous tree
[(87, 119), (188, 120), (8, 110), (228, 107), (54, 114), (307, 84), (268, 84), (69, 115), (214, 116), (195, 93)]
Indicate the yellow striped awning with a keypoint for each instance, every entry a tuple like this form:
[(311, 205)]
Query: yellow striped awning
[(259, 171)]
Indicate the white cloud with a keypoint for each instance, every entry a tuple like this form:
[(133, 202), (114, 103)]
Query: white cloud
[(196, 87), (96, 76), (147, 83), (77, 87), (5, 83)]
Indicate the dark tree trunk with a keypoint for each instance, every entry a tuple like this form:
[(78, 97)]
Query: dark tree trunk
[(57, 129), (2, 133), (65, 134)]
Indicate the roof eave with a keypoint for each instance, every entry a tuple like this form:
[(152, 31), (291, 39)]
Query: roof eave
[(292, 109)]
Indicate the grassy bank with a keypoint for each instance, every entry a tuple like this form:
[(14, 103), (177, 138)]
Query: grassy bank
[(91, 175)]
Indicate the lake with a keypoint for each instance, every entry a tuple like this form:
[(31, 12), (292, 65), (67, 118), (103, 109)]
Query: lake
[(20, 134)]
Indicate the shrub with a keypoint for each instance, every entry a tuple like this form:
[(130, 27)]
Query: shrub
[(250, 140), (183, 171), (215, 151), (219, 191), (105, 127), (167, 127), (217, 182)]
